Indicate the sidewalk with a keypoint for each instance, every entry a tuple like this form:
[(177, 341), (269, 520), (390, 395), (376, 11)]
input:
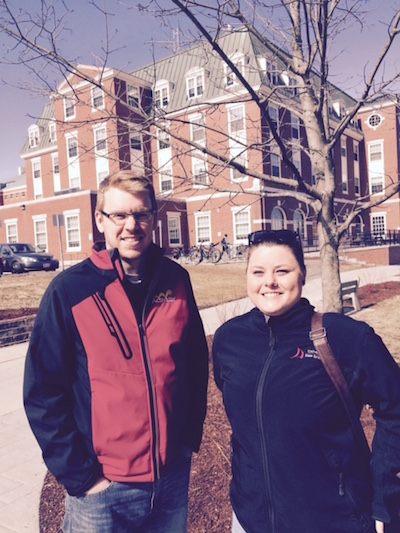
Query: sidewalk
[(22, 470)]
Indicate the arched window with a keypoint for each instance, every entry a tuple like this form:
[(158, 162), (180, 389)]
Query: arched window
[(298, 223), (277, 218)]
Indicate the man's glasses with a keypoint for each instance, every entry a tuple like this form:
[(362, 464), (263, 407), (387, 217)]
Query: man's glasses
[(280, 236), (119, 219)]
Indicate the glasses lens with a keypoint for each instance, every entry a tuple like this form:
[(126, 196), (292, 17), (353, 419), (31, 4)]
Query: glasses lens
[(282, 236)]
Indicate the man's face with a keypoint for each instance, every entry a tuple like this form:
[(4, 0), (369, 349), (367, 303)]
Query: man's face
[(132, 238)]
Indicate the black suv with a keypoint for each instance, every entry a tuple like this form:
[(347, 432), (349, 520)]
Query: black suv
[(21, 257)]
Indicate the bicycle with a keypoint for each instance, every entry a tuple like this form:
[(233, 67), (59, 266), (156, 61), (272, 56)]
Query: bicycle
[(210, 253)]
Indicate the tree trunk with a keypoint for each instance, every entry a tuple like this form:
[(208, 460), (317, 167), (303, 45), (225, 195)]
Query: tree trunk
[(330, 271)]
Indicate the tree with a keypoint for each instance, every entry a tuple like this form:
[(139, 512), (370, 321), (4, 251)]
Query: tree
[(299, 35)]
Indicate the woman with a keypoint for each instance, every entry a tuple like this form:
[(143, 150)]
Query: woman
[(297, 466)]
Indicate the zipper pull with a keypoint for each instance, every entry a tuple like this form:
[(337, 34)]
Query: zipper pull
[(341, 484)]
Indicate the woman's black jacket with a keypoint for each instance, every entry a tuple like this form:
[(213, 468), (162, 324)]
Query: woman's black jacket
[(296, 464)]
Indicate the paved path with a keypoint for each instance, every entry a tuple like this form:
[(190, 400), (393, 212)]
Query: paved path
[(22, 470)]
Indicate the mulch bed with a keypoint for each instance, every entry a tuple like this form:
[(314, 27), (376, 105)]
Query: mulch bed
[(209, 508)]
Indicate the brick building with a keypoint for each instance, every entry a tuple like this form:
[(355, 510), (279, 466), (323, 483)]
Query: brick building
[(101, 121)]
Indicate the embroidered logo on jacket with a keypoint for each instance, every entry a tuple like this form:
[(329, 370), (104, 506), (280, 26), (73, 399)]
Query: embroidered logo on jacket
[(301, 354), (163, 297)]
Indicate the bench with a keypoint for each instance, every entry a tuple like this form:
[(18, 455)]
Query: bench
[(349, 292)]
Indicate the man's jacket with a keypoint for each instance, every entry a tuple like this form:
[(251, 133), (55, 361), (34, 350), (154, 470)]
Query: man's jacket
[(297, 466), (107, 393)]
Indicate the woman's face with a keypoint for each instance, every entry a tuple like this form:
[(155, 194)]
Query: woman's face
[(274, 278)]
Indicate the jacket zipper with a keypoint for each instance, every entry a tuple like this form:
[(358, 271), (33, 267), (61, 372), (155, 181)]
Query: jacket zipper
[(112, 324), (259, 411)]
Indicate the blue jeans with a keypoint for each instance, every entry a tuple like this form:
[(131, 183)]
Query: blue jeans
[(159, 507)]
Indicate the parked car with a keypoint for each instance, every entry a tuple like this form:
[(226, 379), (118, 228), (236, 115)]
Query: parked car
[(1, 264), (22, 257)]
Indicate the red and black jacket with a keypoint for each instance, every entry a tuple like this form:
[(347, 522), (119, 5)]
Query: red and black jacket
[(107, 393)]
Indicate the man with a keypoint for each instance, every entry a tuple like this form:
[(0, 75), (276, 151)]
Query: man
[(116, 374)]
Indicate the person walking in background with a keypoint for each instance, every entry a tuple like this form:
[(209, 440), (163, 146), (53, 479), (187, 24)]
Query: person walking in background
[(116, 374), (297, 466)]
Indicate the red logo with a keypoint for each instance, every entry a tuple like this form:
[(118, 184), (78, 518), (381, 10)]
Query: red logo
[(299, 354)]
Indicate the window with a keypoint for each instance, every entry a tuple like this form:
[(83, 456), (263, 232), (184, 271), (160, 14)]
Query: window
[(375, 151), (33, 132), (272, 73), (97, 98), (161, 94), (374, 120), (72, 229), (12, 231), (195, 84), (376, 167), (275, 165), (298, 223), (166, 182), (56, 172), (72, 147), (174, 229), (69, 108), (378, 224), (199, 171), (100, 139), (135, 140), (273, 115), (240, 158), (343, 155), (163, 140), (203, 227), (238, 60), (40, 229), (132, 95), (296, 158), (357, 185), (198, 129), (236, 120), (295, 127), (52, 132), (241, 224), (356, 168), (277, 218), (37, 179)]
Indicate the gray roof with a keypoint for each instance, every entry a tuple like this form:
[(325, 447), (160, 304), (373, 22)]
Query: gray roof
[(45, 119)]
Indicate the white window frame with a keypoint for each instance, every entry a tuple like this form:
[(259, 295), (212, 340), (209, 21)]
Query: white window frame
[(37, 178), (174, 229), (275, 163), (199, 171), (72, 138), (165, 177), (55, 165), (295, 123), (100, 139), (238, 59), (69, 108), (11, 230), (97, 98), (356, 168), (133, 96), (237, 121), (299, 223), (198, 129), (278, 222), (34, 136), (195, 86), (273, 113), (376, 167), (52, 131), (343, 159), (40, 243), (202, 221), (161, 94), (70, 216), (245, 224), (381, 216)]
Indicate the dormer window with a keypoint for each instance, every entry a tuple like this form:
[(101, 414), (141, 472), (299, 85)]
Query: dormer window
[(52, 132), (238, 60), (97, 98), (34, 136), (162, 94), (195, 83), (272, 72), (69, 108)]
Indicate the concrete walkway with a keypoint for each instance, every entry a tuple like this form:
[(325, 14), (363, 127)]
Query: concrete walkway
[(22, 470)]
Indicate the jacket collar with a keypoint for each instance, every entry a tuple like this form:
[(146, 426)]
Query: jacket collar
[(297, 316)]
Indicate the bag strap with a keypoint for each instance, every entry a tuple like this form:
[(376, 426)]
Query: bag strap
[(319, 338)]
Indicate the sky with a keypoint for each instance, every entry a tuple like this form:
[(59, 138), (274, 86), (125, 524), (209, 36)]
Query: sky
[(137, 37)]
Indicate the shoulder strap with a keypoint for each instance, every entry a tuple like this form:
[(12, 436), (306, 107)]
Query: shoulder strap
[(319, 338)]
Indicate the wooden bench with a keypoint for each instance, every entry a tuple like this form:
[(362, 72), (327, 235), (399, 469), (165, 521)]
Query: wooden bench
[(349, 292)]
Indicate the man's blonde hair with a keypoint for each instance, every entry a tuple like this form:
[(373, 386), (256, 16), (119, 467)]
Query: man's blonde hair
[(129, 181)]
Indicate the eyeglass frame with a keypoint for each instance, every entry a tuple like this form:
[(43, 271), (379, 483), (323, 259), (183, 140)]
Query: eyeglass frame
[(149, 214), (278, 236)]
